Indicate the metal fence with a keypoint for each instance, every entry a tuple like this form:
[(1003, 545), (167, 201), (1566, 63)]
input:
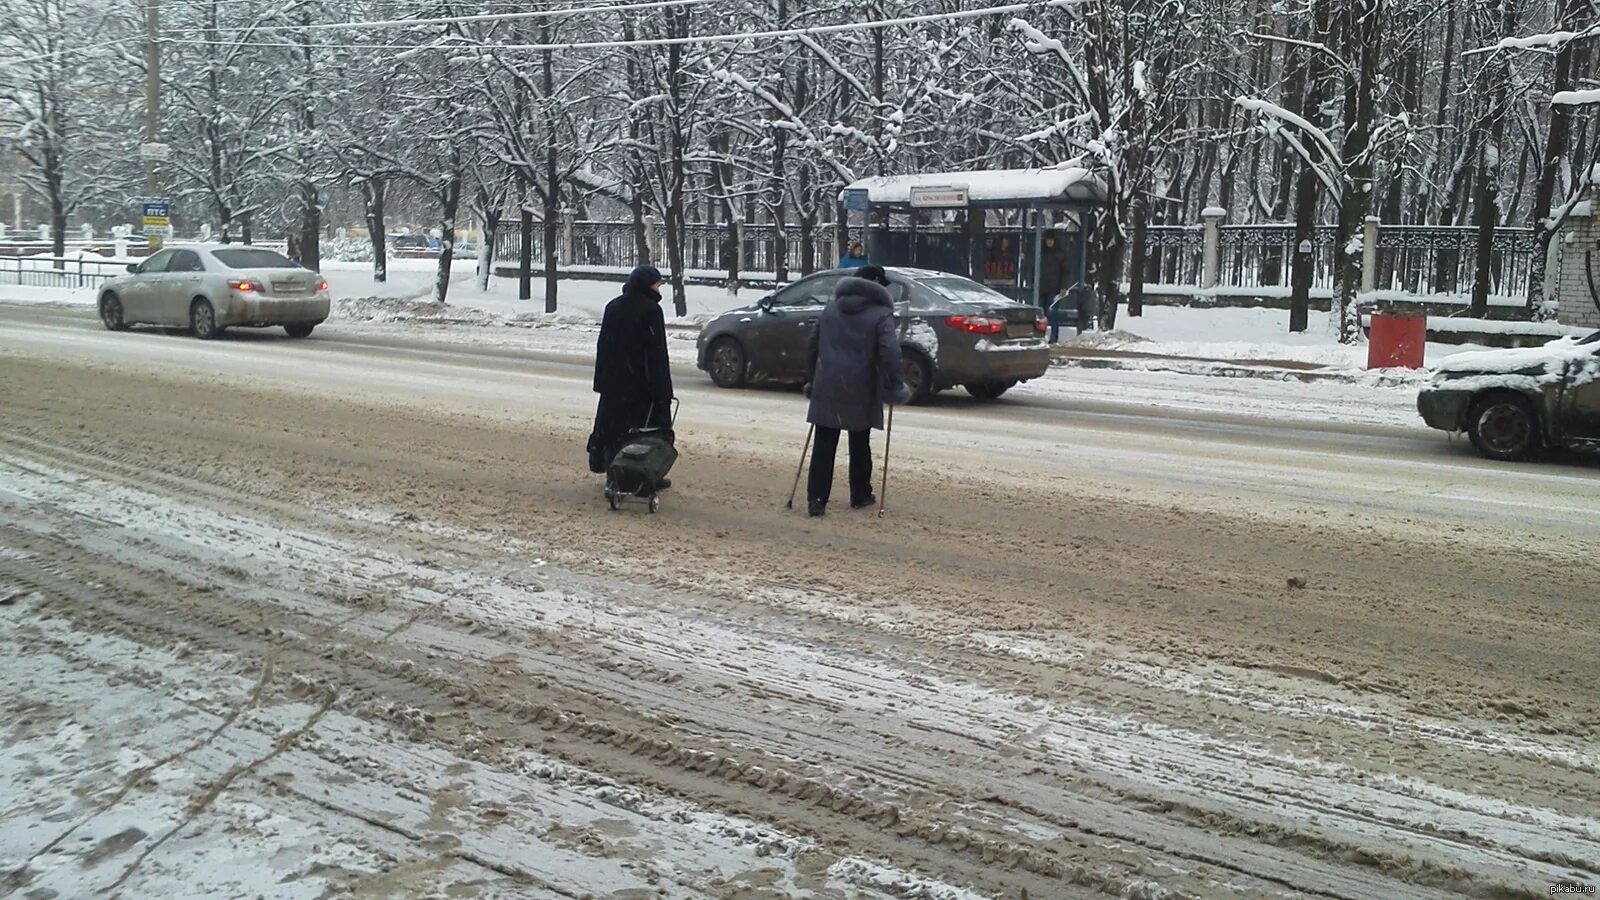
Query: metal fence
[(1434, 260), (1422, 260), (59, 272), (706, 247), (1262, 256), (1174, 254)]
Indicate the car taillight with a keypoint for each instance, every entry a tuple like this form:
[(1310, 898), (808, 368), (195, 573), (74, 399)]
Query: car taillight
[(976, 324), (245, 286), (322, 285), (1039, 325)]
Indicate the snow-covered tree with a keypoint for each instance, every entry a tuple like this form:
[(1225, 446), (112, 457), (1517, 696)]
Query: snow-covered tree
[(66, 110)]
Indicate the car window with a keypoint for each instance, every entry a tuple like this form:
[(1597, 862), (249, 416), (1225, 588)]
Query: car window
[(811, 292), (962, 290), (1591, 339), (186, 261), (157, 264), (253, 258)]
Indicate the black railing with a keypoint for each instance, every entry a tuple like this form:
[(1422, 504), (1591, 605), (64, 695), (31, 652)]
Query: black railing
[(59, 272), (1424, 260)]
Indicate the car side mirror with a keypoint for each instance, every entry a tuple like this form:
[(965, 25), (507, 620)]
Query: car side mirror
[(134, 268), (765, 304)]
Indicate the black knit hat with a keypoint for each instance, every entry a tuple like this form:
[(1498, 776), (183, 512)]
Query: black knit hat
[(873, 273)]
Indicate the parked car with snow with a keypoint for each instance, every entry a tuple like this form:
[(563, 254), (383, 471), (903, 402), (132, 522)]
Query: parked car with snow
[(208, 288), (1512, 403), (953, 331)]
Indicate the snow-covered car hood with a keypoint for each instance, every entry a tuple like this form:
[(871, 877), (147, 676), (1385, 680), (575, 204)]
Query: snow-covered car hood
[(1552, 358)]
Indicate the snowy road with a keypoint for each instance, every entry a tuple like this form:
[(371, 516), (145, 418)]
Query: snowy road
[(348, 615)]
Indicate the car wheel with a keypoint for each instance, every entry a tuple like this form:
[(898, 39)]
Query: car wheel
[(1503, 427), (299, 329), (111, 313), (917, 373), (727, 363), (989, 390), (203, 320)]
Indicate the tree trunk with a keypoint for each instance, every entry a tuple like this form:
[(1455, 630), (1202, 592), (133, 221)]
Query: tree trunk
[(1442, 113), (373, 190), (678, 23), (552, 190), (1492, 157), (491, 233), (1307, 193), (1555, 153), (1364, 29), (525, 238), (780, 218), (450, 198), (1141, 213), (310, 199), (310, 226)]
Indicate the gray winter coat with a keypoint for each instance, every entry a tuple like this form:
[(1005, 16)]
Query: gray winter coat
[(854, 360)]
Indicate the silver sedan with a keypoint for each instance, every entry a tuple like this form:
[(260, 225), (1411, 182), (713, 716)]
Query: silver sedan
[(209, 288)]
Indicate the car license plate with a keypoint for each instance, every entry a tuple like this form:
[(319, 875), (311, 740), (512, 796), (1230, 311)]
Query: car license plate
[(1019, 330)]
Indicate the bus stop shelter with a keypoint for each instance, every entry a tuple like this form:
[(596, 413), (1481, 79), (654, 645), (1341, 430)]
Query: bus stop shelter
[(986, 225)]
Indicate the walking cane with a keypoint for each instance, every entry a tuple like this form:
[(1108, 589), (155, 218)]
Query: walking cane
[(888, 440), (802, 467)]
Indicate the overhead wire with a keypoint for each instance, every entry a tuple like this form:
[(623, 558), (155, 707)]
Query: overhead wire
[(476, 18), (459, 42)]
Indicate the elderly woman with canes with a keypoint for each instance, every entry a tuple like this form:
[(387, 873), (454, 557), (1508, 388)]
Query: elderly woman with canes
[(854, 365)]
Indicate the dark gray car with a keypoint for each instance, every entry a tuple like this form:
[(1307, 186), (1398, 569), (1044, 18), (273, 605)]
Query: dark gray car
[(952, 331)]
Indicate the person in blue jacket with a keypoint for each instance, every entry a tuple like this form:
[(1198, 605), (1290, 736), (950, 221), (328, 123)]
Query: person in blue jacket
[(855, 258)]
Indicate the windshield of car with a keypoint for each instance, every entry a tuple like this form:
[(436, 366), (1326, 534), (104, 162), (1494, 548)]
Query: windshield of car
[(254, 259), (962, 290)]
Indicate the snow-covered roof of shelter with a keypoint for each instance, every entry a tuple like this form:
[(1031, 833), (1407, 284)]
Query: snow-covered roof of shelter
[(1018, 186)]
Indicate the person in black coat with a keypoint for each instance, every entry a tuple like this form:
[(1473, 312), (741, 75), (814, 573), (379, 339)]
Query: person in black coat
[(1055, 270), (631, 371), (853, 365)]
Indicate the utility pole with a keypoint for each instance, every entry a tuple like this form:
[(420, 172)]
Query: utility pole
[(152, 102)]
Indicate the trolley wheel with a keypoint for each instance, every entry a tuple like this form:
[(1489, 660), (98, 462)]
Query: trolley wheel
[(655, 504), (613, 499)]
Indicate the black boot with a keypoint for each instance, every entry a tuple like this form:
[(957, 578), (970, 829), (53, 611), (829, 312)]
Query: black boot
[(815, 509), (864, 502)]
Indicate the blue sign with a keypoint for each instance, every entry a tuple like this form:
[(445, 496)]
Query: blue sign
[(156, 209), (856, 200)]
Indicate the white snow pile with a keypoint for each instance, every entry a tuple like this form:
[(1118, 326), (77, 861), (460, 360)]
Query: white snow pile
[(394, 309), (348, 249), (1107, 340)]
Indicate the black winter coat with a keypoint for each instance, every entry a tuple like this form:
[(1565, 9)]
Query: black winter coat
[(854, 359), (1053, 273), (631, 357), (631, 372)]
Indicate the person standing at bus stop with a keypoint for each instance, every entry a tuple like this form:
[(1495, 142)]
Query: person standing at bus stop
[(854, 258), (1055, 274)]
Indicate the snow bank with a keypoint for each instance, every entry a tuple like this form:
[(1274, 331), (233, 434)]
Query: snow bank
[(1238, 334)]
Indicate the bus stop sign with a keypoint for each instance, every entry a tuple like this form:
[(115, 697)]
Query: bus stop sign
[(856, 200)]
